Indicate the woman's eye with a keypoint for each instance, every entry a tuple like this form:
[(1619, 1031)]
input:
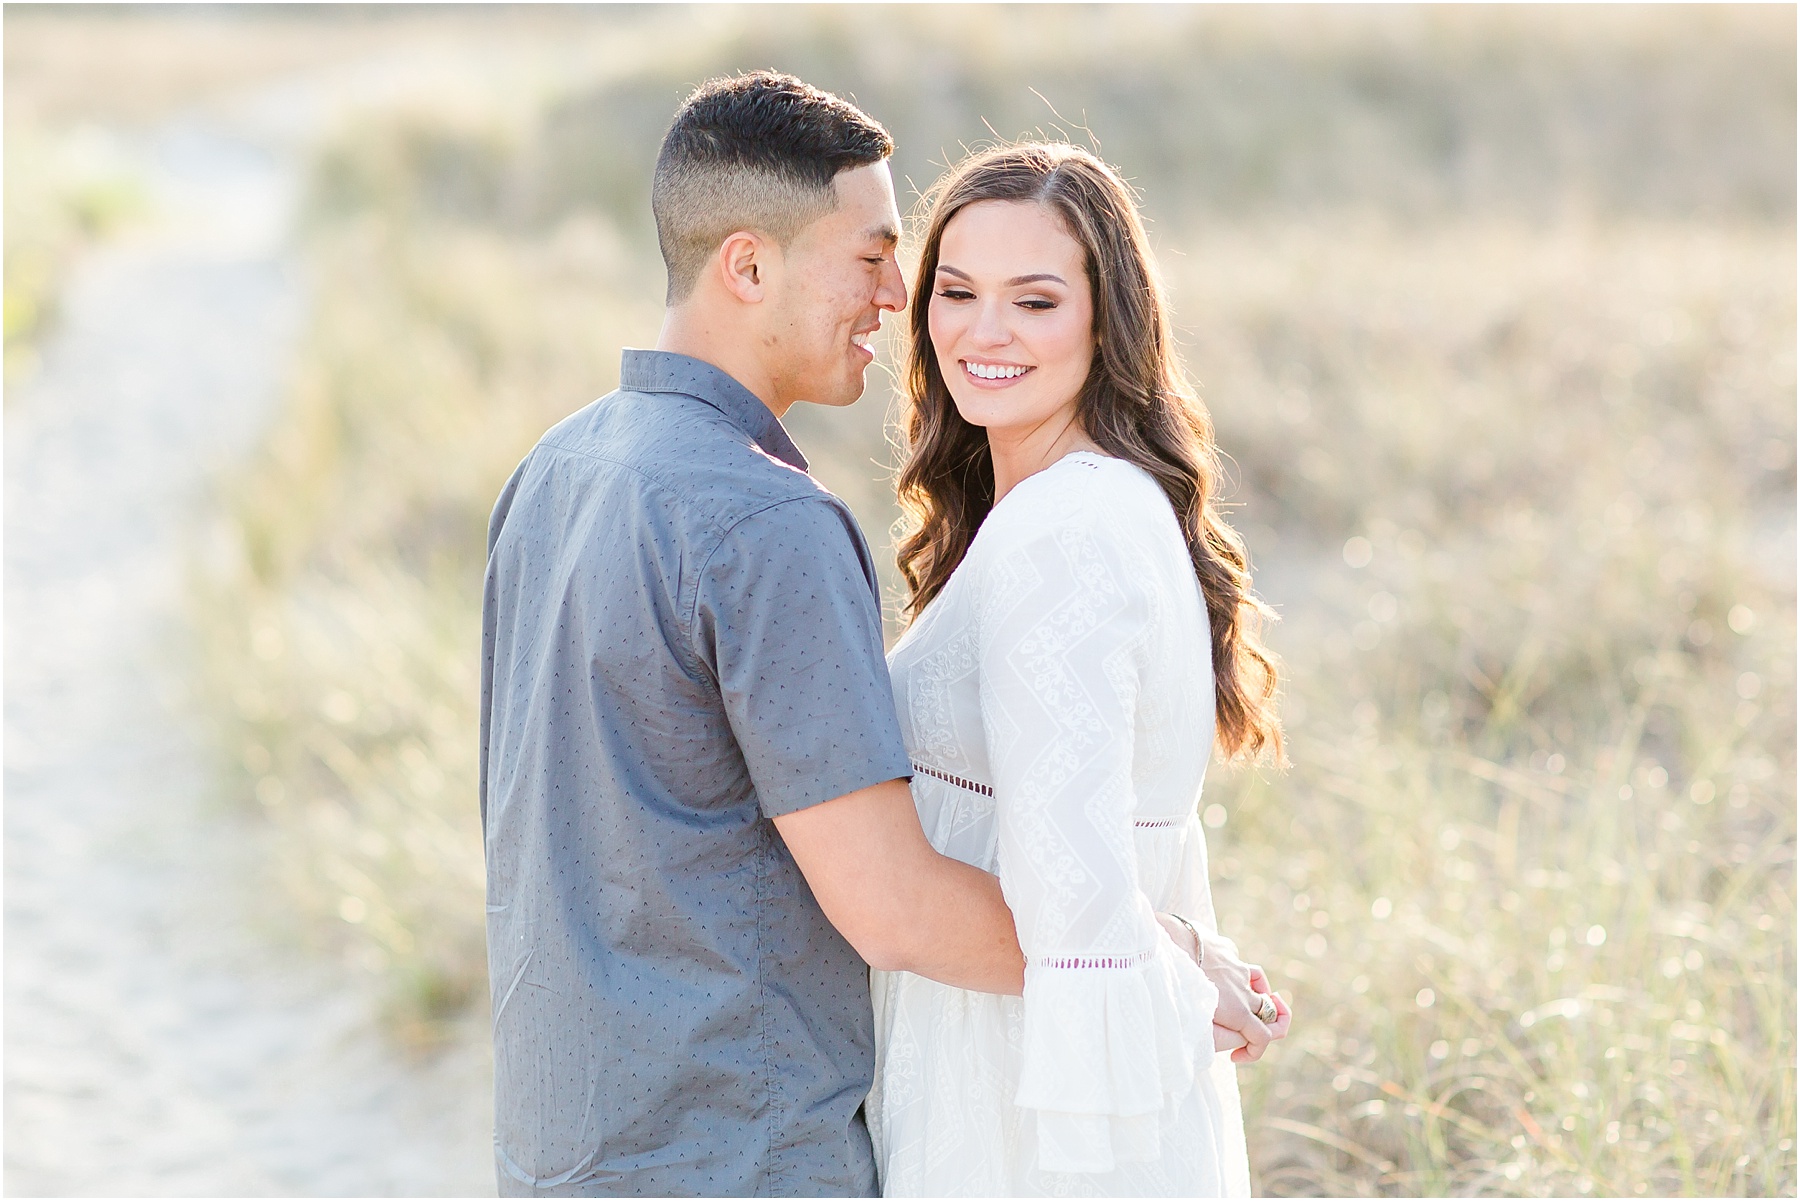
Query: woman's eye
[(956, 294), (1038, 305)]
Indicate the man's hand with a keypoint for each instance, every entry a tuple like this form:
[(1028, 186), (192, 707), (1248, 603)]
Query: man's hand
[(903, 906)]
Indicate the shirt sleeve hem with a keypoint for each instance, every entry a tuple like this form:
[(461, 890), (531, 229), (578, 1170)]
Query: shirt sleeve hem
[(834, 783)]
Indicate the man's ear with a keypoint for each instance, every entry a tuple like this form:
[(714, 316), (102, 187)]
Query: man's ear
[(743, 264)]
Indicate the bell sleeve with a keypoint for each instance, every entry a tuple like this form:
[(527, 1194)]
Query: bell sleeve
[(1117, 1018), (1192, 892)]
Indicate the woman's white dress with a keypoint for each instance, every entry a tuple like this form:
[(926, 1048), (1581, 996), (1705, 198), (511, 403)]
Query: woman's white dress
[(1057, 701)]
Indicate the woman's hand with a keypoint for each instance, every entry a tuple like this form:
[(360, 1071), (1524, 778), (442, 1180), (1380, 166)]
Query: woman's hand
[(1241, 986), (1241, 989)]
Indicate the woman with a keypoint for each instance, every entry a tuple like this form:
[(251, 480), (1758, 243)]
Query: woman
[(1082, 623)]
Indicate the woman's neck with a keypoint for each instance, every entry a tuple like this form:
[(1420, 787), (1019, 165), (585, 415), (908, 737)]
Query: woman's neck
[(1020, 454)]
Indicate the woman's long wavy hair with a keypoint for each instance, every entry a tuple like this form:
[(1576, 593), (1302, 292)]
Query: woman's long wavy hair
[(1135, 405)]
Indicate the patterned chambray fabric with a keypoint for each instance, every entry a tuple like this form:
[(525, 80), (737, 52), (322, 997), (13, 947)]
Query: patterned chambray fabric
[(681, 639)]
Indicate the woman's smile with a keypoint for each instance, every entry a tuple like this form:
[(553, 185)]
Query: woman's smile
[(994, 375)]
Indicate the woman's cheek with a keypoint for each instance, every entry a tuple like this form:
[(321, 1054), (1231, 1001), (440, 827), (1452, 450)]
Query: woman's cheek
[(942, 335), (943, 342)]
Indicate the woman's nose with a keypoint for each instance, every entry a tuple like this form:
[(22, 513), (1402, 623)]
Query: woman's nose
[(990, 326)]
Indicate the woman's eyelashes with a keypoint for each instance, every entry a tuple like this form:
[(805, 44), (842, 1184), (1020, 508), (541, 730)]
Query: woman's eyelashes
[(1036, 304)]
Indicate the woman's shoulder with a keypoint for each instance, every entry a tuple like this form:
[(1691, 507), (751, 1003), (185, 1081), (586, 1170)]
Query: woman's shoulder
[(1082, 491), (1087, 524), (1128, 492)]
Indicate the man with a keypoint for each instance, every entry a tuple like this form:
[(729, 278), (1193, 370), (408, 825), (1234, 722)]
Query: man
[(697, 823), (698, 829)]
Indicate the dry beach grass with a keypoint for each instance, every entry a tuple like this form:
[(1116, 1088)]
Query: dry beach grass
[(1500, 338), (1533, 868)]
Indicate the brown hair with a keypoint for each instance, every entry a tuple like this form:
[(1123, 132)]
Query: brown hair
[(1135, 405)]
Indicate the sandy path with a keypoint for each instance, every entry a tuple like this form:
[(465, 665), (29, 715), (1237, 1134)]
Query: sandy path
[(154, 1043)]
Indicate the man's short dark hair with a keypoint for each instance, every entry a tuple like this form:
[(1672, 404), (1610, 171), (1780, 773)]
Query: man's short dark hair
[(757, 151)]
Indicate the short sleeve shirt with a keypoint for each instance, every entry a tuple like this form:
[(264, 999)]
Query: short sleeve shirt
[(681, 640)]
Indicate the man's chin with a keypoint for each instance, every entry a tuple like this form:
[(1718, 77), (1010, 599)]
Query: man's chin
[(847, 393)]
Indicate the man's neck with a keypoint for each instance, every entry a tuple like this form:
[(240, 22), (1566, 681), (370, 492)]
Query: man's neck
[(685, 331)]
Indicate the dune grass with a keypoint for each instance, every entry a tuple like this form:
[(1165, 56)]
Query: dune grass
[(342, 632), (65, 191), (1531, 878), (1519, 475)]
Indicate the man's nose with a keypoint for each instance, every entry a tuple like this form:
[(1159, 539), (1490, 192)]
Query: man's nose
[(891, 293)]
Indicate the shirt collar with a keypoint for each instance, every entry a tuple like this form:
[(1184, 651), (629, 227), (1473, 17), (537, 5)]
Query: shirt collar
[(664, 371)]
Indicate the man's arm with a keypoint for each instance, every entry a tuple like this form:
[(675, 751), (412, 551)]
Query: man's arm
[(903, 906), (786, 620)]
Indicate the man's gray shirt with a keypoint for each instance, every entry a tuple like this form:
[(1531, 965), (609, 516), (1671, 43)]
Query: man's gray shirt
[(681, 639)]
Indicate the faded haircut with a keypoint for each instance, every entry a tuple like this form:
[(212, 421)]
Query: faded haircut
[(752, 152)]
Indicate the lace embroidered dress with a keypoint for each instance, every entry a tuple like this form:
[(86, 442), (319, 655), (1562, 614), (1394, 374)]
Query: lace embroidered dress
[(1057, 701)]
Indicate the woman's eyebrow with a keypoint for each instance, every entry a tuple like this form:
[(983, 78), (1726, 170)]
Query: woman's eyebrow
[(1014, 282)]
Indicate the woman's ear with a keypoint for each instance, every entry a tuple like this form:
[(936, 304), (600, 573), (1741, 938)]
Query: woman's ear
[(742, 266)]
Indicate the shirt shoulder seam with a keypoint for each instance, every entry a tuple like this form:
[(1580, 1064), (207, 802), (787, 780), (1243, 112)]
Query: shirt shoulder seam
[(716, 527), (693, 605), (716, 524)]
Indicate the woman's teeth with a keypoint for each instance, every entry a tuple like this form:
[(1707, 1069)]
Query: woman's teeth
[(983, 371)]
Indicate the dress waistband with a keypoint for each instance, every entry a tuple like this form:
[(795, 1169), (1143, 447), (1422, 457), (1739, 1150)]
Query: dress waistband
[(987, 790), (1092, 961), (969, 785)]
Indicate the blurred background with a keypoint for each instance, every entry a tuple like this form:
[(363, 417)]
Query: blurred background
[(1494, 310)]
